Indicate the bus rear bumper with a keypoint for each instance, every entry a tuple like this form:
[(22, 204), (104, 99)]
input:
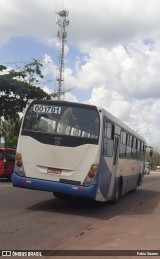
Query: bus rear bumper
[(49, 186)]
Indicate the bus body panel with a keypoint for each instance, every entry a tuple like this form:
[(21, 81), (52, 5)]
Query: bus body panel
[(130, 170), (103, 180), (71, 163), (50, 186)]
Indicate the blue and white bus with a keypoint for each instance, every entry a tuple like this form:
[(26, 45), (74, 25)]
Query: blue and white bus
[(74, 149)]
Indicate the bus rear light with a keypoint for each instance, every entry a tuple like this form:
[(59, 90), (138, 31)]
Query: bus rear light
[(88, 181), (21, 171), (19, 164), (18, 157), (91, 175), (94, 168)]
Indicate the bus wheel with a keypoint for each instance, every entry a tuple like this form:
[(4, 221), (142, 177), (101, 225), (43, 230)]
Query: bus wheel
[(10, 177), (117, 194), (139, 182)]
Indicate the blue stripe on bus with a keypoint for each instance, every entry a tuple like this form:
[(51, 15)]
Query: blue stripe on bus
[(104, 177), (50, 186)]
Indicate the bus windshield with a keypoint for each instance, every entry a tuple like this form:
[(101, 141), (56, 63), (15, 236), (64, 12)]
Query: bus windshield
[(59, 119)]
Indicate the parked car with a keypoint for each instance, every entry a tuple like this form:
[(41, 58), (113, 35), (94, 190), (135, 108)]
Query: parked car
[(7, 161), (147, 168), (158, 166)]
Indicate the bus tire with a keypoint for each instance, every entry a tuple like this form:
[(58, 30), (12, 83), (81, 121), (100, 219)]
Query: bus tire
[(117, 194), (139, 182), (10, 177)]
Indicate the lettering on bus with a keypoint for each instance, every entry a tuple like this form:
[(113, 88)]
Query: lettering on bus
[(46, 109)]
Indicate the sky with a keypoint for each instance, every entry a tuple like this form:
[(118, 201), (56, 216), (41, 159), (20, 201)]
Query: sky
[(112, 55)]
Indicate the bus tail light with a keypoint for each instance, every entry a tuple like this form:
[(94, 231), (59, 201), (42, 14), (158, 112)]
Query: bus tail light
[(18, 157), (91, 175), (19, 165)]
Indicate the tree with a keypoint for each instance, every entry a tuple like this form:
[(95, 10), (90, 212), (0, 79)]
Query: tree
[(155, 158), (9, 129), (14, 92), (16, 87)]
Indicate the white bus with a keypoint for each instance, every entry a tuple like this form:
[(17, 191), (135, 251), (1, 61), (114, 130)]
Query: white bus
[(74, 149)]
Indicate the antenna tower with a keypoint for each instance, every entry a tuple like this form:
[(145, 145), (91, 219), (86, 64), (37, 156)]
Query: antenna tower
[(62, 21)]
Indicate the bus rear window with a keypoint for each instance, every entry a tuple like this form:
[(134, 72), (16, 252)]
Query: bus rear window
[(62, 120)]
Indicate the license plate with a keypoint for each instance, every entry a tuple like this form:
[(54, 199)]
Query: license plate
[(53, 171)]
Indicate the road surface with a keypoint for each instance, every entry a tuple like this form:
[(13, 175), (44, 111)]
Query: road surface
[(35, 220)]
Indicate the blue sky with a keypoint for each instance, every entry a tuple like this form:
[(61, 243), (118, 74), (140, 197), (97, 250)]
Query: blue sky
[(24, 48), (21, 50), (112, 55)]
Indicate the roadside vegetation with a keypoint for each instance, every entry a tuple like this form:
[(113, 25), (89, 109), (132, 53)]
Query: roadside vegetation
[(154, 159), (16, 88)]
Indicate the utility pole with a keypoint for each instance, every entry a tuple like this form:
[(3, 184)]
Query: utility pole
[(62, 21)]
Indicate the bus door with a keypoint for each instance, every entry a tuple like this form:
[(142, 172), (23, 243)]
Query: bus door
[(115, 161)]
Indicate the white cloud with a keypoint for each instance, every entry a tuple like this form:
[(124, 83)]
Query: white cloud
[(119, 46), (70, 97), (49, 68), (125, 81), (92, 23), (142, 116), (47, 90), (112, 102), (131, 70)]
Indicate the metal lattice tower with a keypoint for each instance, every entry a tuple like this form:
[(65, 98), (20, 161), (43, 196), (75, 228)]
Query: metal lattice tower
[(62, 21)]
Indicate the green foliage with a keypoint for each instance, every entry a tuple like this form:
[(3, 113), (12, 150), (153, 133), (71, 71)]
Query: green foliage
[(154, 159), (41, 126), (32, 68), (16, 87), (10, 130), (14, 92)]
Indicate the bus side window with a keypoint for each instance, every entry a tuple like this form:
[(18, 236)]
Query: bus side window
[(122, 152), (138, 149), (129, 145), (142, 151), (108, 139), (134, 148)]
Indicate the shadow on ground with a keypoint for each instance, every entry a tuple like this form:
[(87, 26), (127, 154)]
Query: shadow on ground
[(103, 211)]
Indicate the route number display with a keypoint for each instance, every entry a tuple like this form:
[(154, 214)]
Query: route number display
[(46, 109)]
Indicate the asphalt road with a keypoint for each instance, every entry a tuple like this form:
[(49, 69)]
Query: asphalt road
[(36, 220)]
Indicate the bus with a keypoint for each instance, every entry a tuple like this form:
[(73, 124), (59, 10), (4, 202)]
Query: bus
[(73, 149)]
